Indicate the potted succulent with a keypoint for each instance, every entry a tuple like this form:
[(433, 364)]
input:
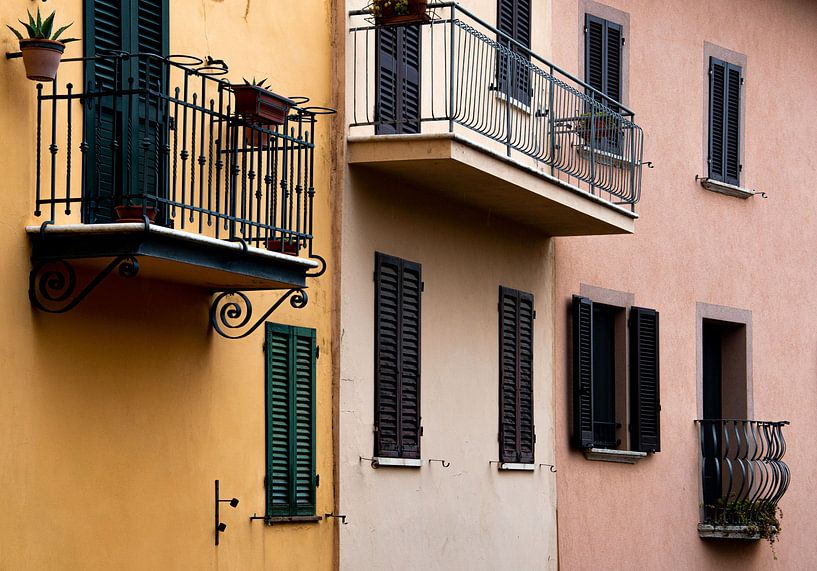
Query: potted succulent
[(42, 49), (289, 246), (135, 212), (598, 126), (258, 105), (400, 12)]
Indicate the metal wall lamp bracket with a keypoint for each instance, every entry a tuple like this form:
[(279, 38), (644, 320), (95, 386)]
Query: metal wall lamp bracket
[(220, 526), (52, 284), (231, 312), (341, 517)]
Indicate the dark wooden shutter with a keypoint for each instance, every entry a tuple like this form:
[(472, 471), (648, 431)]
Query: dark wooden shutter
[(290, 405), (516, 427), (582, 372), (724, 121), (397, 87), (513, 73), (645, 430), (602, 57), (398, 286)]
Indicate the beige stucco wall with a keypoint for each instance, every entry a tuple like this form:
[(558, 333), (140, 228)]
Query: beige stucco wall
[(114, 421), (467, 516), (694, 246)]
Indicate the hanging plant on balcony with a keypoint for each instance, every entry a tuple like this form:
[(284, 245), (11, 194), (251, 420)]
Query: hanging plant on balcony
[(42, 49), (400, 12), (257, 105)]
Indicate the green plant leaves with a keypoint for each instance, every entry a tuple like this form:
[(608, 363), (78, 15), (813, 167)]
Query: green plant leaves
[(16, 33), (41, 29)]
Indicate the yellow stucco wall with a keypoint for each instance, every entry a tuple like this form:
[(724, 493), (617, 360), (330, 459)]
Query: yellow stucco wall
[(115, 419)]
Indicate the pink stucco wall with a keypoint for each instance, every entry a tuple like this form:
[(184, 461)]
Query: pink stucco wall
[(694, 246)]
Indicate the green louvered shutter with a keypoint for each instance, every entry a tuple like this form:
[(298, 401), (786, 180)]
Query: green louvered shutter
[(397, 85), (115, 127), (398, 287), (645, 425), (516, 428), (290, 408), (582, 372), (724, 121)]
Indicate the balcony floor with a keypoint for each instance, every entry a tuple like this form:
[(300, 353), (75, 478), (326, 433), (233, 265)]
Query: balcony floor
[(171, 255), (482, 178)]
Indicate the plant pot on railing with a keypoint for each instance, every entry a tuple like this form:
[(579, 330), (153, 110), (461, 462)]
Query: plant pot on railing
[(255, 138), (258, 105), (135, 213), (400, 12), (42, 50), (289, 247), (596, 128)]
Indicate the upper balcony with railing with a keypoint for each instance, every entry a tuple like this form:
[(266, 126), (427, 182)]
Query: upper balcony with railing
[(458, 81), (162, 159)]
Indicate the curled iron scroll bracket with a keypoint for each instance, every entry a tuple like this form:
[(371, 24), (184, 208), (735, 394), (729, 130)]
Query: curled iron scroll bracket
[(52, 284), (231, 312)]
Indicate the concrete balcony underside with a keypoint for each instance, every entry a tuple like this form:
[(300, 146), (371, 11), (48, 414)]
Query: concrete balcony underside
[(479, 177)]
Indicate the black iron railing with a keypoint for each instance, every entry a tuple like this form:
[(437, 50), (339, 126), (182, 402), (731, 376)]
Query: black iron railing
[(162, 135), (472, 78), (742, 470)]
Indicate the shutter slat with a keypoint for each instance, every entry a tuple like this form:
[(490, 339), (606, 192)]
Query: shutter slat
[(644, 380), (732, 113), (594, 52), (717, 93), (582, 372), (278, 423), (410, 360), (304, 384)]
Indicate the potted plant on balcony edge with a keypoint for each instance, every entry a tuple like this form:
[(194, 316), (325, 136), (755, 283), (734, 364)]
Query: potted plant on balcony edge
[(42, 50), (400, 12), (596, 126), (257, 105)]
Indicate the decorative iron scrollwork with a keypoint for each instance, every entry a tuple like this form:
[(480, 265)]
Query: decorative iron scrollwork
[(52, 284), (231, 312)]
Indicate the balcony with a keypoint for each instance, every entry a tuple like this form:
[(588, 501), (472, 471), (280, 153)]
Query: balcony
[(216, 199), (743, 478), (483, 120)]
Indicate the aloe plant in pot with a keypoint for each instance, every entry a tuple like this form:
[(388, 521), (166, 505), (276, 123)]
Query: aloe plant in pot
[(43, 48)]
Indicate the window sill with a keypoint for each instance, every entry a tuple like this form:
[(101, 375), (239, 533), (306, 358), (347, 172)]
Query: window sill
[(517, 104), (382, 462), (603, 157), (709, 531), (727, 189), (515, 467), (618, 456), (274, 520)]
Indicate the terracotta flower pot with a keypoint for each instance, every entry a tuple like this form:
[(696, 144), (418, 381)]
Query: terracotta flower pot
[(134, 213), (259, 105), (417, 14), (255, 139), (41, 58), (287, 247)]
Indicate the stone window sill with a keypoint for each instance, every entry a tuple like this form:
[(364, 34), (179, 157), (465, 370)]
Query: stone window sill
[(603, 157), (619, 456), (381, 462), (274, 520), (516, 467), (727, 189), (709, 531)]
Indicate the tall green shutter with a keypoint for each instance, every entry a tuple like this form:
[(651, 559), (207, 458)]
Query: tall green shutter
[(583, 436), (724, 121), (645, 426), (290, 407), (513, 73), (603, 57)]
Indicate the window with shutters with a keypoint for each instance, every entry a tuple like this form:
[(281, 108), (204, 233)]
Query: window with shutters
[(604, 72), (725, 81), (290, 407), (516, 429), (397, 84), (513, 65), (616, 404), (398, 288)]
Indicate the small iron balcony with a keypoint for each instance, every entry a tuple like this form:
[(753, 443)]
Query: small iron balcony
[(148, 157), (743, 476), (501, 105)]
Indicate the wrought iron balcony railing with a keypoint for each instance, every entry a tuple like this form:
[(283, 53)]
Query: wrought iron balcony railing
[(163, 133), (742, 470), (469, 77)]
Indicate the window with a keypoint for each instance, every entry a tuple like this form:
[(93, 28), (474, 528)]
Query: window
[(397, 428), (290, 407), (725, 80), (516, 428), (603, 58), (397, 95), (513, 72), (602, 403)]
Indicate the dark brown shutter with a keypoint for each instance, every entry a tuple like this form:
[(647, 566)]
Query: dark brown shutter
[(516, 428), (398, 285), (513, 73), (602, 58), (582, 372), (645, 430), (724, 121), (397, 97)]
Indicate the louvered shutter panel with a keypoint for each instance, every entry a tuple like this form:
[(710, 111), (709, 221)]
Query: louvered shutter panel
[(279, 420), (602, 58), (397, 86), (513, 73), (397, 357), (594, 52), (731, 155), (303, 352), (516, 428), (717, 90), (645, 399), (582, 372)]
